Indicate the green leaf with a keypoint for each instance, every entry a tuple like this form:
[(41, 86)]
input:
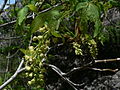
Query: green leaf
[(22, 15), (93, 15), (115, 3), (56, 34), (23, 51), (41, 88), (97, 28), (0, 81), (38, 22), (51, 18), (81, 5), (93, 12), (32, 7)]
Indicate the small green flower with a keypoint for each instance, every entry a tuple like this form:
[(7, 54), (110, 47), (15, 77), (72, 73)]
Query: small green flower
[(27, 68)]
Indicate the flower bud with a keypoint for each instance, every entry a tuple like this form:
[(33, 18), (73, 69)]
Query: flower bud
[(41, 55), (27, 57), (33, 80), (31, 48), (35, 38), (42, 29), (28, 68), (30, 60), (29, 82), (41, 76), (31, 74), (40, 37)]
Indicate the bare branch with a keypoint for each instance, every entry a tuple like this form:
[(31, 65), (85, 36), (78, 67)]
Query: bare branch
[(48, 9), (12, 54), (103, 70), (30, 40), (5, 24), (5, 2), (89, 66), (19, 70), (62, 75), (8, 38), (65, 77), (107, 60), (79, 68)]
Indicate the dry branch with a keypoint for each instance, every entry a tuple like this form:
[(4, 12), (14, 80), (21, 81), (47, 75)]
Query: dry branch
[(107, 60), (61, 74), (9, 38), (19, 70), (3, 6), (103, 70), (65, 76)]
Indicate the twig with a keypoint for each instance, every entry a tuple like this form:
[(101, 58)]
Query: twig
[(88, 66), (107, 60), (30, 40), (102, 70), (5, 24), (8, 38), (79, 68), (5, 2), (7, 67), (19, 70), (48, 9), (12, 54), (62, 75)]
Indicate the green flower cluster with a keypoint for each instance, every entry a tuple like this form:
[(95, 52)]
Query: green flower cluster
[(34, 56), (92, 45), (78, 50)]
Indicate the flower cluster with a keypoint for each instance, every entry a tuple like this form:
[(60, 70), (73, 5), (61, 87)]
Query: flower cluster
[(34, 56), (78, 50)]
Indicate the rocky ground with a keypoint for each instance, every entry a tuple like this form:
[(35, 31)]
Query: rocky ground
[(86, 78)]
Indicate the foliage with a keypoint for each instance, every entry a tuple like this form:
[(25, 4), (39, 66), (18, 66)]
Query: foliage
[(76, 21), (34, 56), (57, 22)]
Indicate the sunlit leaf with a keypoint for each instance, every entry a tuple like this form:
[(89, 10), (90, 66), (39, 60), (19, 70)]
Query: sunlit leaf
[(23, 51), (55, 33), (22, 15), (81, 5), (38, 22), (32, 7)]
